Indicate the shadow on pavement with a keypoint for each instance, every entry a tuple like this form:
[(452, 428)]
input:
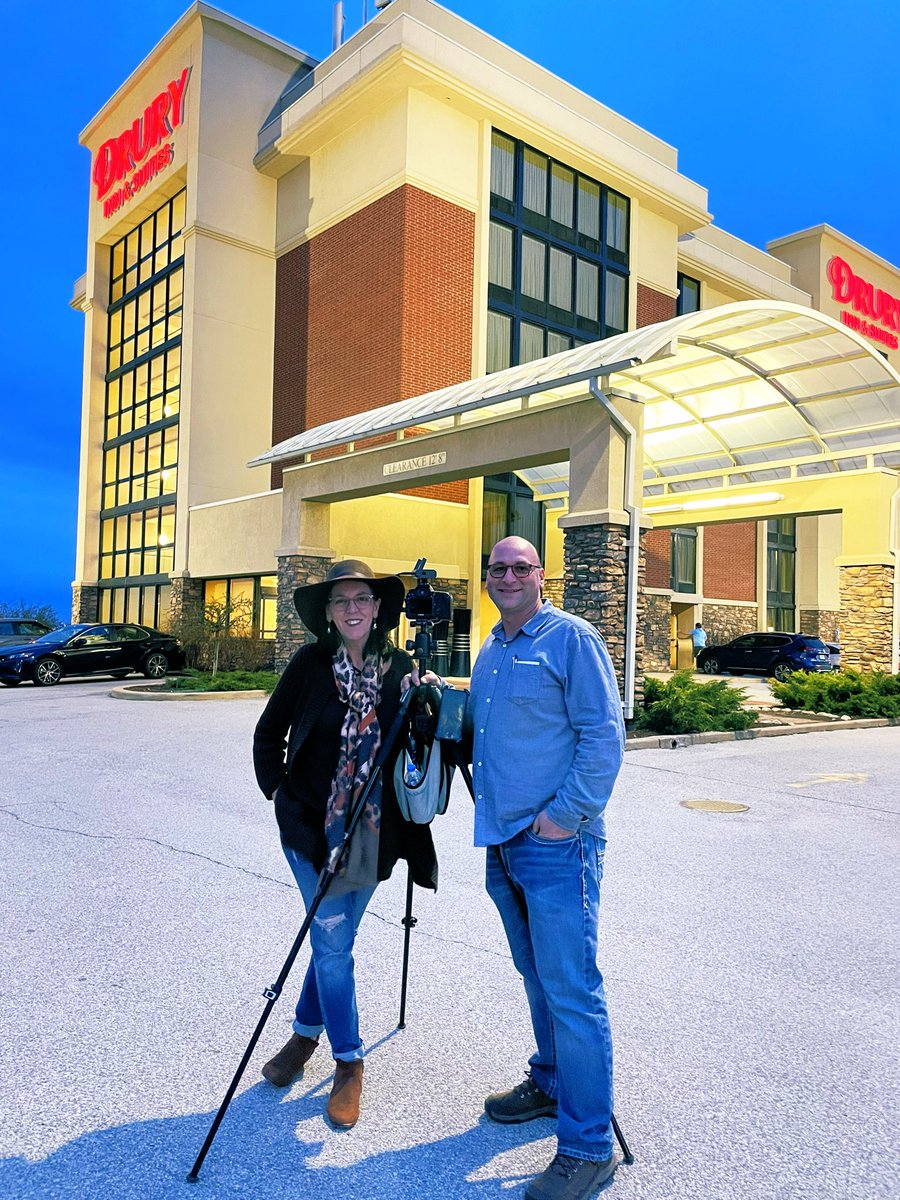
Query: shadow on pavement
[(258, 1153)]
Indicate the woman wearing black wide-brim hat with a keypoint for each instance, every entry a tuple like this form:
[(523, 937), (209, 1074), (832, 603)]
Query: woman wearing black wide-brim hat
[(313, 750)]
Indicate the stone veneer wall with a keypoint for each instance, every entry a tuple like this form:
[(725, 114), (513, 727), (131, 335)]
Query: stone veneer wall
[(723, 622), (554, 591), (85, 602), (595, 565), (867, 617), (294, 570), (657, 632), (185, 600), (821, 622)]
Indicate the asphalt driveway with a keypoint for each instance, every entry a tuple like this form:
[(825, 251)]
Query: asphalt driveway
[(750, 961)]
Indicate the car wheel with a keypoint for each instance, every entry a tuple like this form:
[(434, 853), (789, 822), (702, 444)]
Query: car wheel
[(156, 665), (47, 672), (782, 672), (710, 666)]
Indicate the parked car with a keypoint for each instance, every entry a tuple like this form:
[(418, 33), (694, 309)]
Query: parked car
[(775, 654), (834, 655), (91, 650), (16, 630)]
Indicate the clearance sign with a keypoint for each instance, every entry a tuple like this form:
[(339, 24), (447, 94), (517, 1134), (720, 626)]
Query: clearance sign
[(879, 311), (139, 153)]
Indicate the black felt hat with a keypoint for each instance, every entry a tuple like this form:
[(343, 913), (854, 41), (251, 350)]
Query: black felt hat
[(310, 601)]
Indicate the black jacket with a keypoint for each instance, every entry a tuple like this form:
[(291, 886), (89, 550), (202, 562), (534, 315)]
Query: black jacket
[(288, 720)]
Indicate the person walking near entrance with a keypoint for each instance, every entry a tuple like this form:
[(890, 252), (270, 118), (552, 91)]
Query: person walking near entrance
[(548, 746), (698, 639)]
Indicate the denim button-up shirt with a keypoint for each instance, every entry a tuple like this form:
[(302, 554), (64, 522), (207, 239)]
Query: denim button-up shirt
[(548, 728)]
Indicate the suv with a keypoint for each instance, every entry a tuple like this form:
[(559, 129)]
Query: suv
[(775, 654), (14, 631)]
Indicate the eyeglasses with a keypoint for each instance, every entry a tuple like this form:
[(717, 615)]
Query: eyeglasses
[(520, 570), (343, 603)]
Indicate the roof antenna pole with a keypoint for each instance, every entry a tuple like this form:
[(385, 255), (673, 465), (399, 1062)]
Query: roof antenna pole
[(337, 29)]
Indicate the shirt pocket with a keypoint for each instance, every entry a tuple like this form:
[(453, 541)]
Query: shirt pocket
[(525, 680)]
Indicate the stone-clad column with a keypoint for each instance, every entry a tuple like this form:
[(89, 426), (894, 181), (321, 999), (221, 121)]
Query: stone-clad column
[(294, 570), (867, 617), (85, 602), (185, 600), (596, 574)]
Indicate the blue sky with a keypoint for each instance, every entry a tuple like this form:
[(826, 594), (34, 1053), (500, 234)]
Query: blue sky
[(786, 112)]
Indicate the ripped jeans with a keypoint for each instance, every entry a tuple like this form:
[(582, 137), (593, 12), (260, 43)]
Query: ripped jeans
[(328, 997)]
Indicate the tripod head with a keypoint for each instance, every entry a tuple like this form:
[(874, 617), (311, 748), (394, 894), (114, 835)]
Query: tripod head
[(424, 608)]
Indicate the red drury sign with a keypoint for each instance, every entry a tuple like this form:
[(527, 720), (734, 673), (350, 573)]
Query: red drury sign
[(142, 150), (869, 301)]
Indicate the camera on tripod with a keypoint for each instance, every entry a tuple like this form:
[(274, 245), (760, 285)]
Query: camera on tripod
[(423, 605)]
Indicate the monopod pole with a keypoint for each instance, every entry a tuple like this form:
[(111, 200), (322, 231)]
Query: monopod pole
[(272, 993), (409, 922)]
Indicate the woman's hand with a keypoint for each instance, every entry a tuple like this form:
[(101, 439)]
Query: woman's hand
[(413, 680)]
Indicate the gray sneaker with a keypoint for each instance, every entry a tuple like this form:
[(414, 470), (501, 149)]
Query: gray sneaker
[(570, 1178), (523, 1103)]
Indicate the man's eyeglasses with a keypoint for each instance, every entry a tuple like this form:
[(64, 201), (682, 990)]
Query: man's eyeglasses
[(520, 570), (342, 603)]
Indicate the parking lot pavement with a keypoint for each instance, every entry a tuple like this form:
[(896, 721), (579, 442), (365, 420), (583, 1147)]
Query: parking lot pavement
[(750, 961)]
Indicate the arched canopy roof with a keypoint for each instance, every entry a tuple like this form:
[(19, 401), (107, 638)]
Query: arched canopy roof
[(739, 393)]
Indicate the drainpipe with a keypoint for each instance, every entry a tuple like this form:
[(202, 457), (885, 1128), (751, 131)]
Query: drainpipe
[(629, 433)]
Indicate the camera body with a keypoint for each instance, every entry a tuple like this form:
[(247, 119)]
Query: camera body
[(422, 604)]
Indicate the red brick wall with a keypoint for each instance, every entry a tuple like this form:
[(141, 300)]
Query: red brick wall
[(658, 549), (376, 309), (653, 306), (729, 561)]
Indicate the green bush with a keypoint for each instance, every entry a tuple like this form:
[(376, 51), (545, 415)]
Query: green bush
[(681, 705), (846, 693), (224, 681)]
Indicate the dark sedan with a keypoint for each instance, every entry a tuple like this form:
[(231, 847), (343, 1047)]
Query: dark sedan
[(775, 654), (16, 630), (91, 650)]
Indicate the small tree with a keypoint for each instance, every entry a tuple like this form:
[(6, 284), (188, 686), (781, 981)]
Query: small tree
[(204, 631)]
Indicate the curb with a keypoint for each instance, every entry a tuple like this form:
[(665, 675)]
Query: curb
[(137, 692), (679, 741)]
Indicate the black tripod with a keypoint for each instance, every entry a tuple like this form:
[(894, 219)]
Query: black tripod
[(409, 922)]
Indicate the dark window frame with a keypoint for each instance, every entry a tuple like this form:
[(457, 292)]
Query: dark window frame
[(680, 307)]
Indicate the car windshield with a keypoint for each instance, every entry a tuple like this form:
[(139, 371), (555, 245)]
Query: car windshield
[(812, 643), (63, 634)]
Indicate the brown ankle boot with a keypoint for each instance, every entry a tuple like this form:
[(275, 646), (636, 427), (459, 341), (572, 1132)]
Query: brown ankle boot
[(288, 1063), (343, 1104)]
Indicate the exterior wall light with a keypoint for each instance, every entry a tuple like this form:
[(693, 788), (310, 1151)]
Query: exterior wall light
[(724, 502)]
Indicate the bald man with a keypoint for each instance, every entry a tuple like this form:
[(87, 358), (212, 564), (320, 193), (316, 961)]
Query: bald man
[(548, 745)]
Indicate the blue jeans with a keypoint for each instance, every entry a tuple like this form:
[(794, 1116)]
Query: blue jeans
[(554, 949), (328, 997)]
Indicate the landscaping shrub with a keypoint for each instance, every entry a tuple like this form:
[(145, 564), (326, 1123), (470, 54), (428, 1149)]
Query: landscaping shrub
[(224, 681), (682, 705), (845, 693)]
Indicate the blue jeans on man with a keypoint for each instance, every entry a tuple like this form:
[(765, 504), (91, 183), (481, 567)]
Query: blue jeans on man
[(554, 949)]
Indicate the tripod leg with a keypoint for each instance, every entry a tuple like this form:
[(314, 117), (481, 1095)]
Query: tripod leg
[(627, 1156), (409, 922)]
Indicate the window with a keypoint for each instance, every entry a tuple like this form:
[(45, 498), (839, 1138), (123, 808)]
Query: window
[(143, 399), (688, 295), (509, 508), (781, 556), (684, 560), (253, 599), (558, 256)]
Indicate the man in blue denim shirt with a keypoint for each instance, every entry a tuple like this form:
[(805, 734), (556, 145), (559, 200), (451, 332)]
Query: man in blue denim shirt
[(548, 745)]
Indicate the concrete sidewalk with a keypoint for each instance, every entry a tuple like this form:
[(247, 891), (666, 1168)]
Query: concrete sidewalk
[(748, 957)]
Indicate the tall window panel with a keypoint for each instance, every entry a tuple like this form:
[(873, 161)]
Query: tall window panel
[(143, 399), (558, 256)]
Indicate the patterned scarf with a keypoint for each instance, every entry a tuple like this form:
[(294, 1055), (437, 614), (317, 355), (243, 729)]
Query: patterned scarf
[(360, 690)]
